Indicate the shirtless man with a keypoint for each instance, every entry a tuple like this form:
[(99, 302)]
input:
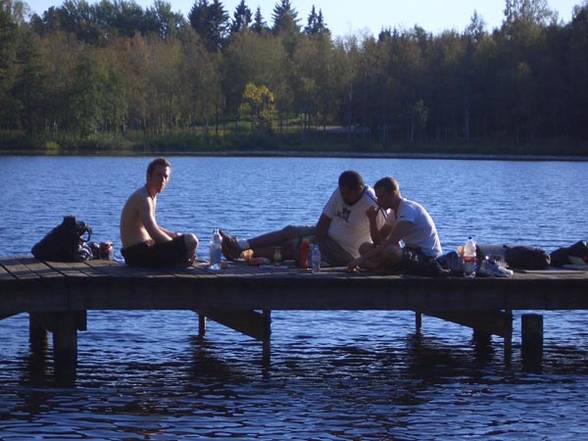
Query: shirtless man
[(144, 242)]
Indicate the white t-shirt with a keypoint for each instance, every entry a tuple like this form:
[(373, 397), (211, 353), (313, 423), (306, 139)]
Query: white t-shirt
[(350, 227), (423, 233)]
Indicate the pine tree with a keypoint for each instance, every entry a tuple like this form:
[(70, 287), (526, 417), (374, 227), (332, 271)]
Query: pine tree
[(316, 24), (285, 18), (241, 18), (259, 24), (211, 22)]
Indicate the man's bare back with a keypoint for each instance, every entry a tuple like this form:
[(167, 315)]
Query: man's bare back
[(132, 228)]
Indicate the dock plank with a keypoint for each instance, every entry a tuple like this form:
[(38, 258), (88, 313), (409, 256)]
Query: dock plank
[(40, 268), (5, 275), (18, 270)]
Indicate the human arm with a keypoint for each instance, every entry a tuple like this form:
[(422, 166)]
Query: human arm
[(322, 228), (378, 232), (400, 229), (171, 234), (147, 216)]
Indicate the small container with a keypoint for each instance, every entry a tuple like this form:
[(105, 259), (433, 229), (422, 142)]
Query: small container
[(303, 254), (215, 251), (106, 251), (316, 258), (469, 258)]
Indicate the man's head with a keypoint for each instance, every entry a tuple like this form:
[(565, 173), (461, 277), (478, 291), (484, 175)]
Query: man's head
[(388, 192), (351, 186), (158, 173)]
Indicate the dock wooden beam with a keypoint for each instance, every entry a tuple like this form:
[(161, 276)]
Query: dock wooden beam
[(254, 324)]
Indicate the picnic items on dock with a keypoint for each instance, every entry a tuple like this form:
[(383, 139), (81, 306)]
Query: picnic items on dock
[(577, 254), (67, 242), (70, 242), (526, 257)]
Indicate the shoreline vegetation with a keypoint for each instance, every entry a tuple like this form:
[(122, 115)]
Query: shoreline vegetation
[(327, 142), (112, 77)]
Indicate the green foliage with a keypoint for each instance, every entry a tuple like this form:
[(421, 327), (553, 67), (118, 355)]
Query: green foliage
[(258, 104), (285, 18), (211, 23), (99, 73)]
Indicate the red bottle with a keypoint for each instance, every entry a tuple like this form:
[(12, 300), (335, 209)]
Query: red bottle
[(303, 256)]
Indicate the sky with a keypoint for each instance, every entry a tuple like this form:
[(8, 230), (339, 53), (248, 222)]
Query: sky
[(344, 17)]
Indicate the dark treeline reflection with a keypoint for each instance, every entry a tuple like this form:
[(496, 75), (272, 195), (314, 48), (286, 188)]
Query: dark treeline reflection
[(113, 69)]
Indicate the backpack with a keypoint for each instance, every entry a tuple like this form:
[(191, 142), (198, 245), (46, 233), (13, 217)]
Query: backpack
[(65, 242), (526, 257), (574, 254)]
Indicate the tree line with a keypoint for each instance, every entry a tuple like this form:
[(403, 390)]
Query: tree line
[(115, 68)]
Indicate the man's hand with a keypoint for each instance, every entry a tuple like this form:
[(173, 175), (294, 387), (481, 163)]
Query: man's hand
[(354, 265), (372, 213)]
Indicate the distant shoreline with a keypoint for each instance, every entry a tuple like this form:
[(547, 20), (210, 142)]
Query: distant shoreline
[(303, 154)]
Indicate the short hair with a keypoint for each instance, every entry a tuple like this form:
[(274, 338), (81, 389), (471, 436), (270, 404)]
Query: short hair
[(351, 179), (157, 162), (389, 184)]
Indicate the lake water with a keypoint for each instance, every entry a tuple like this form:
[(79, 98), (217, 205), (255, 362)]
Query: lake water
[(333, 375)]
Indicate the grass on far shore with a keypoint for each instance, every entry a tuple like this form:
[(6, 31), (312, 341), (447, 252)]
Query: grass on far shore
[(312, 143)]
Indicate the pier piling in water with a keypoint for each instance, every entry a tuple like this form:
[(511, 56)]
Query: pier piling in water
[(532, 337)]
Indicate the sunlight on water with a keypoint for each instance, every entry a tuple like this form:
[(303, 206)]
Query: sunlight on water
[(334, 375)]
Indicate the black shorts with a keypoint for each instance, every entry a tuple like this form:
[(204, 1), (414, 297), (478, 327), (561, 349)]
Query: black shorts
[(415, 262), (159, 255)]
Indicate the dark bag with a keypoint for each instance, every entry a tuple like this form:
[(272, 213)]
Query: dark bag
[(526, 257), (65, 242), (561, 256)]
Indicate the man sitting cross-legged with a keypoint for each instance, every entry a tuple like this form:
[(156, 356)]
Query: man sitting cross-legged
[(145, 242), (341, 228), (408, 222)]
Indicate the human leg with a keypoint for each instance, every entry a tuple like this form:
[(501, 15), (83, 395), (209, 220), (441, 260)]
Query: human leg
[(372, 262), (191, 244), (160, 255), (333, 253), (265, 244)]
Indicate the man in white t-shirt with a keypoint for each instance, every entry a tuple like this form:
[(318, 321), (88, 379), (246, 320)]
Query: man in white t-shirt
[(341, 228), (408, 241)]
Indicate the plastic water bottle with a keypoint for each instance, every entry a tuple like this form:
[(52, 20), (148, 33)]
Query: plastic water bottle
[(215, 248), (469, 258), (316, 258)]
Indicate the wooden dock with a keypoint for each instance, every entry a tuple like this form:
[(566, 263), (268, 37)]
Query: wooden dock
[(57, 295)]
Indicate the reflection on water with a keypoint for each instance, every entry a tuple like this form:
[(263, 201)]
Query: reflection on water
[(333, 375)]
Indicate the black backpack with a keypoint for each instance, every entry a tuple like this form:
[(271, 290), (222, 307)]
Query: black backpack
[(561, 256), (65, 242), (526, 257)]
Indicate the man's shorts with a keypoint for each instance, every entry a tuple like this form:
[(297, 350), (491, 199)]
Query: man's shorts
[(159, 255), (415, 262), (331, 252)]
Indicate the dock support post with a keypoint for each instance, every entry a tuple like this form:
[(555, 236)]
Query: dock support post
[(65, 345), (267, 330), (508, 337), (532, 337), (37, 332), (482, 338), (201, 325), (418, 321)]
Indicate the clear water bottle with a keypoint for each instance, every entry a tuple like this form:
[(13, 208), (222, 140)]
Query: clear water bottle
[(316, 258), (215, 248), (469, 258)]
